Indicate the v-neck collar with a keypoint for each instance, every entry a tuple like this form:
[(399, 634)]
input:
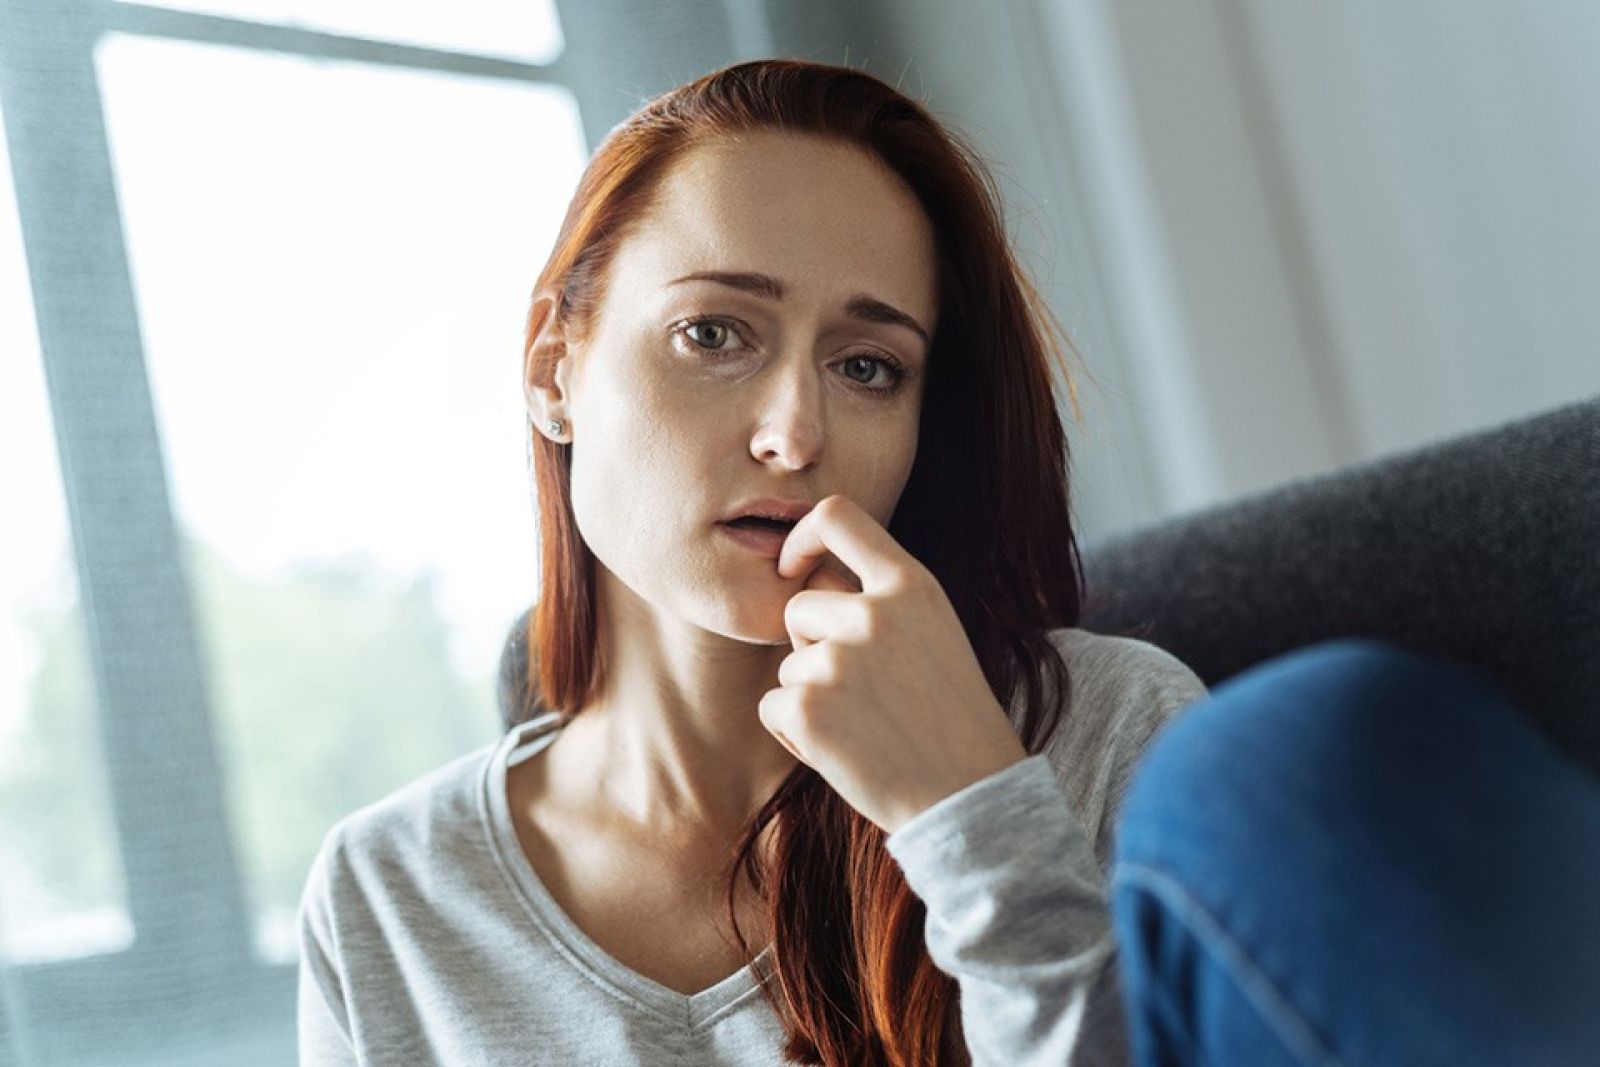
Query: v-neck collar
[(691, 1011)]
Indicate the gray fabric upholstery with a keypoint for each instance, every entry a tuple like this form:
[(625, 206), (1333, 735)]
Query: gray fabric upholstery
[(1483, 550), (518, 702)]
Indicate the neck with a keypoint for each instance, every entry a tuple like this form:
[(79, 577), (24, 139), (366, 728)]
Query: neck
[(673, 747)]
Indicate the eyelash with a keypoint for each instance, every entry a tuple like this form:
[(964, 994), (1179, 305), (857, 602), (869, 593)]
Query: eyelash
[(894, 367)]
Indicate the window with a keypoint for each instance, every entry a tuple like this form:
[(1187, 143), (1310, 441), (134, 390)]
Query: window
[(527, 31), (331, 294), (54, 904), (277, 340)]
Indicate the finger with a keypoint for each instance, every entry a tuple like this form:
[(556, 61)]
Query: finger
[(832, 577), (826, 579), (771, 713), (800, 666), (816, 615), (837, 524), (832, 569)]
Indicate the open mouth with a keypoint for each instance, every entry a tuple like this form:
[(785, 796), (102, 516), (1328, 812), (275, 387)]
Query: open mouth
[(753, 522), (765, 537)]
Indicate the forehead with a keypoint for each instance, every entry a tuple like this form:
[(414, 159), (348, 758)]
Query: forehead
[(825, 218)]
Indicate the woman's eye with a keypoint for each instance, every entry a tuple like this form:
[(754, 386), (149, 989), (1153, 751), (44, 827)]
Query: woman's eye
[(893, 372), (871, 364), (711, 334)]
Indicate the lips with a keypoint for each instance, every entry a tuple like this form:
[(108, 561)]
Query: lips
[(766, 542), (774, 508)]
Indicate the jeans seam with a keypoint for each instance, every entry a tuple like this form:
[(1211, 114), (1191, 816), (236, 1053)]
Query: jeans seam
[(1281, 1016)]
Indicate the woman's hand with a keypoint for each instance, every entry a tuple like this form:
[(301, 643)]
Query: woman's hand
[(882, 694)]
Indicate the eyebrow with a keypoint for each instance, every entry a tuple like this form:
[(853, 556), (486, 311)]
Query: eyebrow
[(861, 306)]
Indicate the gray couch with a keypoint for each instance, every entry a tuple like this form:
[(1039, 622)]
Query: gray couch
[(1483, 550)]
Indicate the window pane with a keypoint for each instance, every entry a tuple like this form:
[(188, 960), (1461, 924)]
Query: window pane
[(527, 31), (332, 265), (55, 903)]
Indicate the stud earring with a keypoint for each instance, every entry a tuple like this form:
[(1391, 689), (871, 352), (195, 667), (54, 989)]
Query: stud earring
[(555, 426)]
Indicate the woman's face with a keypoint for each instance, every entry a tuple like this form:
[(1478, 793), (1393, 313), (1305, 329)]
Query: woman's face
[(690, 396)]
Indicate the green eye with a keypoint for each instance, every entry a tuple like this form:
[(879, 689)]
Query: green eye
[(872, 363), (719, 333)]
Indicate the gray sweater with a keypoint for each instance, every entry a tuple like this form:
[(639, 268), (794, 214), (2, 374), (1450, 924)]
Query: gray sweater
[(426, 937)]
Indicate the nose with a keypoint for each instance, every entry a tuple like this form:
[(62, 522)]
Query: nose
[(791, 430)]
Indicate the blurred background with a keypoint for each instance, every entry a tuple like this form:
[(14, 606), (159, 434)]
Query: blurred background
[(263, 272)]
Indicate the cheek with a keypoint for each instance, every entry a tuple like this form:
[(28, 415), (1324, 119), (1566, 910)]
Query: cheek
[(635, 459), (613, 469), (878, 474), (630, 413)]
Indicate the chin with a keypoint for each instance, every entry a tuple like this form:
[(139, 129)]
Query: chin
[(761, 635)]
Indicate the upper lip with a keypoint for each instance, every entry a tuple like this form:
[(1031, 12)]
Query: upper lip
[(770, 507)]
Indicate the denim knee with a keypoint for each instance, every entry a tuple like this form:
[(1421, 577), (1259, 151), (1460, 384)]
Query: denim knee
[(1381, 841), (1352, 716)]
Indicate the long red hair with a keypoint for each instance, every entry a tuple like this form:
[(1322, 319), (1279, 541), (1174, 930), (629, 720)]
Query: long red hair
[(985, 509)]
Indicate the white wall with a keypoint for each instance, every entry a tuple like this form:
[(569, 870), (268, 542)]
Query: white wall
[(1287, 237), (1445, 159)]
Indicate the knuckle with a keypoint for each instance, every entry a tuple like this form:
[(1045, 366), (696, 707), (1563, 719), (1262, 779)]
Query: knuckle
[(808, 707), (871, 622), (790, 609)]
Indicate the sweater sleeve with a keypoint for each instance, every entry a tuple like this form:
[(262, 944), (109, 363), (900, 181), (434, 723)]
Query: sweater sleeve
[(1017, 914), (322, 1025), (1018, 910)]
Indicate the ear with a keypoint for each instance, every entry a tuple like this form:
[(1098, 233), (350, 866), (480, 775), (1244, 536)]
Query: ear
[(549, 397)]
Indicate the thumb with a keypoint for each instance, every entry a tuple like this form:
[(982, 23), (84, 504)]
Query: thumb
[(833, 577)]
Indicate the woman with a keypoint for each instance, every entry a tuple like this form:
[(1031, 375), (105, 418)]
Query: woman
[(824, 771)]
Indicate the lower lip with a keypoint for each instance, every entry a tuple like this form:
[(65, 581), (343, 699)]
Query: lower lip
[(767, 542)]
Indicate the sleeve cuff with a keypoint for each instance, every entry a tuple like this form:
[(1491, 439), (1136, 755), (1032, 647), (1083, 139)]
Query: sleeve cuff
[(1011, 827)]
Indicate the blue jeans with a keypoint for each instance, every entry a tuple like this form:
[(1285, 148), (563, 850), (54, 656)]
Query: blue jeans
[(1355, 855)]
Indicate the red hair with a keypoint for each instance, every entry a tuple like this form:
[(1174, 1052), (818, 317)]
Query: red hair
[(985, 509)]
